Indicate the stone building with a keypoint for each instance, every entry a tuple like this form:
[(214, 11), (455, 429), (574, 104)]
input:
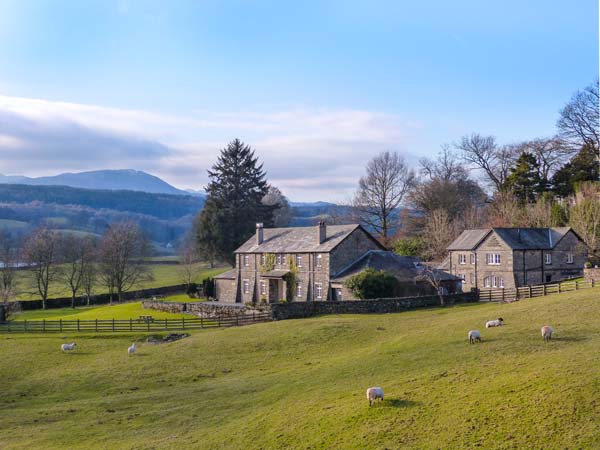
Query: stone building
[(514, 257)]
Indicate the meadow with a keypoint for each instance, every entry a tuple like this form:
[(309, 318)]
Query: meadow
[(300, 384), (164, 275)]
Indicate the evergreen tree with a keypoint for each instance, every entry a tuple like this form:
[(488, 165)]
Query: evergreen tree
[(234, 204), (583, 167), (524, 180)]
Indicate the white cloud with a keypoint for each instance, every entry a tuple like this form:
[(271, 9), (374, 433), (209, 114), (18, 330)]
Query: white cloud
[(310, 153)]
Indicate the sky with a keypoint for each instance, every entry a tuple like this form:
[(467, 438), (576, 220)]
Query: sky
[(317, 88)]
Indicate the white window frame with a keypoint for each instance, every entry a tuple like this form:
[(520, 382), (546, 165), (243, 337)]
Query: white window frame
[(246, 260), (501, 282), (486, 282), (298, 260), (548, 258), (319, 290), (493, 259), (569, 258), (472, 278), (472, 258), (246, 286), (263, 287), (263, 259), (319, 262), (463, 276), (279, 259), (299, 289), (462, 258)]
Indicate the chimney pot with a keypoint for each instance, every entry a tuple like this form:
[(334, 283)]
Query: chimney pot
[(259, 233), (322, 233)]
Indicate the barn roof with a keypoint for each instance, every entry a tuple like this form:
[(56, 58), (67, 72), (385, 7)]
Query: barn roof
[(515, 238)]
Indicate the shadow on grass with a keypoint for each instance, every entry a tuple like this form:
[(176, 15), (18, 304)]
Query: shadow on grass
[(398, 403), (569, 339)]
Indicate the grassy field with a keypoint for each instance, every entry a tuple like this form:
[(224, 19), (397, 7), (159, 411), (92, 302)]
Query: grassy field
[(120, 312), (164, 275), (300, 384)]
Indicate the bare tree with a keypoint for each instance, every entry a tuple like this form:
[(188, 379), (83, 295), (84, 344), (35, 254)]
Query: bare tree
[(584, 216), (579, 121), (505, 211), (381, 191), (89, 276), (438, 233), (77, 256), (434, 278), (550, 154), (187, 269), (122, 251), (40, 252), (9, 258), (445, 167), (483, 153)]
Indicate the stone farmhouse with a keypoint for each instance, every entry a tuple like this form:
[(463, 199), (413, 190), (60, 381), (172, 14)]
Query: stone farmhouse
[(514, 257), (305, 264)]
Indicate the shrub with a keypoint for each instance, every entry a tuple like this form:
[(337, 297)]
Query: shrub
[(410, 246), (371, 284), (192, 290), (208, 287)]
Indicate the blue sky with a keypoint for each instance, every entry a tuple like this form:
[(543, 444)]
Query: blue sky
[(317, 88)]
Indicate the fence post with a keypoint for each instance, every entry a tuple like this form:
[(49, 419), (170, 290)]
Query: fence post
[(544, 290), (60, 325), (502, 295), (130, 324), (96, 324), (219, 319), (183, 323), (25, 325), (148, 323), (559, 283), (77, 324), (201, 322), (113, 324), (166, 324), (43, 325), (237, 320)]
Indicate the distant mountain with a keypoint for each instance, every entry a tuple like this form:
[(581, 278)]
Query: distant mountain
[(131, 180)]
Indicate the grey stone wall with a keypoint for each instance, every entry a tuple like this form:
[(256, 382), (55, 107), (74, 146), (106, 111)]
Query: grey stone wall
[(200, 309), (297, 310), (225, 290)]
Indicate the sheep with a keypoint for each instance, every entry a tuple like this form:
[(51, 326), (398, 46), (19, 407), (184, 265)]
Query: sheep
[(474, 335), (68, 347), (547, 331), (131, 350), (374, 393), (494, 323)]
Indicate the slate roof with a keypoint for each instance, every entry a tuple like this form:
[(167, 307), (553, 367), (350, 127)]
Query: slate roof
[(515, 238), (229, 275), (404, 268), (298, 239)]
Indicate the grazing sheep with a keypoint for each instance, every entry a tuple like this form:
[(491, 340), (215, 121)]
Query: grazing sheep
[(374, 393), (131, 350), (494, 323), (67, 347), (547, 331), (474, 335)]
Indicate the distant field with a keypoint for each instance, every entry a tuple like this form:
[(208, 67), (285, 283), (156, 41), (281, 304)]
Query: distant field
[(300, 384), (164, 275)]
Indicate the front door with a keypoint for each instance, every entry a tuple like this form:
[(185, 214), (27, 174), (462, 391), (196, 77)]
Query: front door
[(336, 294), (273, 291)]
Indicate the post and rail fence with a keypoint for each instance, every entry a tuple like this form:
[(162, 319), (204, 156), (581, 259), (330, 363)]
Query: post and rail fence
[(129, 325), (513, 294)]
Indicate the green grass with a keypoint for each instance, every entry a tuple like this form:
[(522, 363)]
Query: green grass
[(164, 275), (119, 312), (182, 298), (300, 384)]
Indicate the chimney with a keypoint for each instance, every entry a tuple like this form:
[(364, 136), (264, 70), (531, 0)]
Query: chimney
[(259, 233), (322, 231)]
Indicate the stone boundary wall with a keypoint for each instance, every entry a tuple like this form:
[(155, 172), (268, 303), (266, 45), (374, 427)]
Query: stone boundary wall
[(100, 299), (591, 274), (200, 309), (297, 310)]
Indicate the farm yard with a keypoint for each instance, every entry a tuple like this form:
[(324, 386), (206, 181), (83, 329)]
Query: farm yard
[(301, 383)]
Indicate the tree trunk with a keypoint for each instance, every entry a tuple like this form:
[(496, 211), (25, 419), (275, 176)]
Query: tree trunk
[(73, 300)]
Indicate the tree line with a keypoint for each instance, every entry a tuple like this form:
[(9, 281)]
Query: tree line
[(474, 182), (79, 263)]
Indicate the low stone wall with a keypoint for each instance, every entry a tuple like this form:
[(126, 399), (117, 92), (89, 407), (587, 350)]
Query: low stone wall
[(296, 310), (591, 274), (200, 309)]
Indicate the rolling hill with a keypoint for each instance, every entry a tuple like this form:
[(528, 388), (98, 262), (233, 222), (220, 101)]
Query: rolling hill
[(300, 384)]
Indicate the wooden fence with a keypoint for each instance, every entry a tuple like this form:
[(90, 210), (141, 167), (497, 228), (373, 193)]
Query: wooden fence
[(509, 295), (114, 325)]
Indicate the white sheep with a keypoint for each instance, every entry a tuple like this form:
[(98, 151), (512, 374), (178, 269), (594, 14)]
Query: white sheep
[(374, 393), (494, 323), (547, 331), (131, 350), (68, 347), (474, 335)]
